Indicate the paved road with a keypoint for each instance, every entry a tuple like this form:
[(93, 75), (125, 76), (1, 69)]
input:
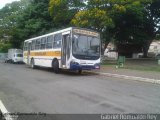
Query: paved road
[(23, 89)]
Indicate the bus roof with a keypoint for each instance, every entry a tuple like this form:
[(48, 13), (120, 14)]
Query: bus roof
[(56, 32)]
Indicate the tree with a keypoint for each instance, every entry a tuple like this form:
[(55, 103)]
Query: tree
[(99, 15), (129, 20), (151, 24), (9, 16), (143, 30), (4, 46), (34, 21), (133, 26), (63, 11)]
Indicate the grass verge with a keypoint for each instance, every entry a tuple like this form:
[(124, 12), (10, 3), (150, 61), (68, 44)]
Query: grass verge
[(142, 65)]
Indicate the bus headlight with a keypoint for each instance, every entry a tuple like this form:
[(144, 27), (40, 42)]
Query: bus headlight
[(97, 66)]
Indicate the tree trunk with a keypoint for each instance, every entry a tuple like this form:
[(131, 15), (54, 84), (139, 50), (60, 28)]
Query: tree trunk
[(104, 46), (145, 51), (146, 48)]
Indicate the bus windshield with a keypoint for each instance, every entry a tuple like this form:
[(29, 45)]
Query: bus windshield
[(86, 47)]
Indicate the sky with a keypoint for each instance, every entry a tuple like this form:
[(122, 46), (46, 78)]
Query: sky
[(3, 2)]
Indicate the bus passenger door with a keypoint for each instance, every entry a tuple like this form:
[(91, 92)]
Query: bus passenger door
[(28, 53), (65, 50)]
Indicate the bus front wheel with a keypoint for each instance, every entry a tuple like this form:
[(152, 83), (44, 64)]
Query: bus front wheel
[(56, 66), (80, 71)]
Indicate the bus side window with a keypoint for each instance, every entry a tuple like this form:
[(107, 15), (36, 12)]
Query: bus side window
[(49, 42), (25, 46), (57, 41), (38, 43), (43, 43), (33, 45)]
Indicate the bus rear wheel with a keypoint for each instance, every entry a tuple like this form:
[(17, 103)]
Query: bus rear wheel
[(56, 66), (32, 64)]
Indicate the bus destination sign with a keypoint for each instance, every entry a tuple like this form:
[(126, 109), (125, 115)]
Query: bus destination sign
[(85, 32)]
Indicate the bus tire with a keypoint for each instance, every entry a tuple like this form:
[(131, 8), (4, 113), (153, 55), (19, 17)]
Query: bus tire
[(56, 66), (32, 64), (79, 71)]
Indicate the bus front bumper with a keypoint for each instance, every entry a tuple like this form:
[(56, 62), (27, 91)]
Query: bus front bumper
[(84, 67)]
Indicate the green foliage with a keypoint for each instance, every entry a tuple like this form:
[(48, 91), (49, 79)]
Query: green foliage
[(94, 18), (4, 47), (124, 21), (62, 11), (35, 20), (9, 19), (24, 19)]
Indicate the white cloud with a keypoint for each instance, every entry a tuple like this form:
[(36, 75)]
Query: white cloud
[(3, 2)]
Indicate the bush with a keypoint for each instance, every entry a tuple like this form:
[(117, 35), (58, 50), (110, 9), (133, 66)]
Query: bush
[(4, 47)]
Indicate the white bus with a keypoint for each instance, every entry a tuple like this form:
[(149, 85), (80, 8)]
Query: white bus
[(71, 48)]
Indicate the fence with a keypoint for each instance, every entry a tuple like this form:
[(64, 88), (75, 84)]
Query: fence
[(3, 56)]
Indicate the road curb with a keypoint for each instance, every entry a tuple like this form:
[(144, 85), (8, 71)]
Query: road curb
[(5, 113), (154, 81)]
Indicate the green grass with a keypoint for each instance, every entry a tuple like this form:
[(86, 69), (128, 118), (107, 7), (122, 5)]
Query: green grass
[(142, 65), (141, 68), (110, 64)]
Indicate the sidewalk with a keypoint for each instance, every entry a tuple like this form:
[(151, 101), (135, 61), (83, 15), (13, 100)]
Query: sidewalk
[(137, 75), (129, 72)]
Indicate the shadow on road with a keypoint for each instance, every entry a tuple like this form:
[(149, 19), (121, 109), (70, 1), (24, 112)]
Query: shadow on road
[(65, 72)]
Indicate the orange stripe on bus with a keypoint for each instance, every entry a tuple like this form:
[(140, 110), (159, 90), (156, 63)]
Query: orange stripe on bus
[(45, 53)]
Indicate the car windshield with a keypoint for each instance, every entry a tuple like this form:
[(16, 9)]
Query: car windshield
[(86, 46), (19, 55)]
